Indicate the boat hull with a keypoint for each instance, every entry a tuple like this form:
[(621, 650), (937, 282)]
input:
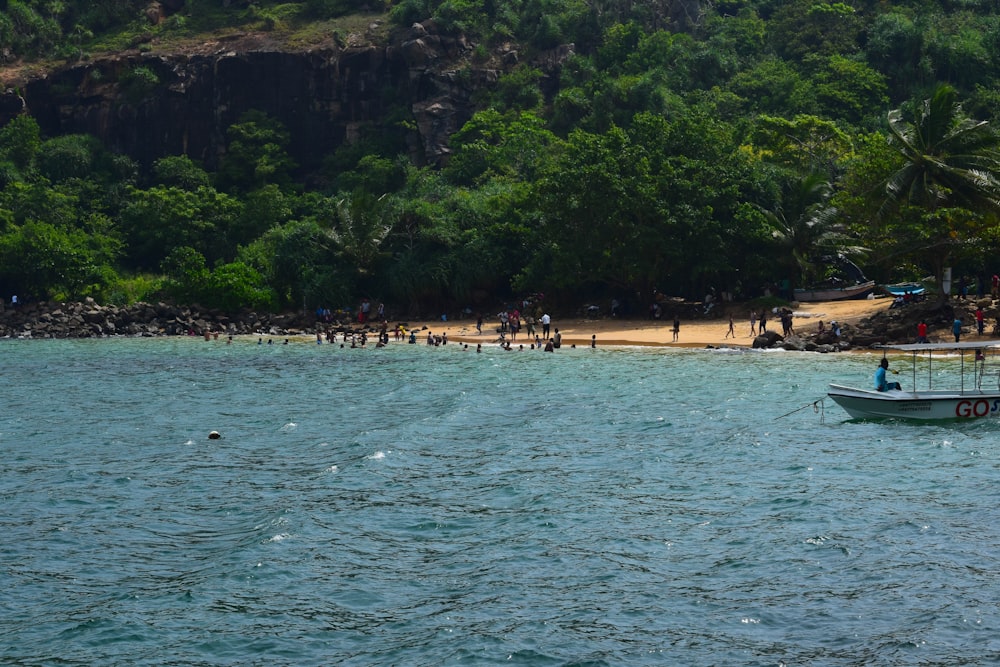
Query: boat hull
[(901, 289), (918, 405), (860, 291)]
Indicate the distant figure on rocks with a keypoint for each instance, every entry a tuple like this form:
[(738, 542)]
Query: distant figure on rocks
[(922, 332), (786, 323), (956, 328)]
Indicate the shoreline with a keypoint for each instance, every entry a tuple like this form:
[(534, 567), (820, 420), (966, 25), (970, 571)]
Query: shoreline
[(87, 320), (699, 333)]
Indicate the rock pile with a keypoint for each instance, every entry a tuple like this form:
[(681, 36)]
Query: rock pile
[(89, 319)]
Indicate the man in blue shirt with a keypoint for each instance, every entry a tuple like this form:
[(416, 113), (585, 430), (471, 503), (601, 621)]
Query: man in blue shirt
[(880, 383)]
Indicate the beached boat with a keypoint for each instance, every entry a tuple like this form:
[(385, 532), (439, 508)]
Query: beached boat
[(978, 396), (901, 289), (858, 291)]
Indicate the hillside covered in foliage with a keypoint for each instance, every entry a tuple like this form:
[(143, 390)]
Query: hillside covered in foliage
[(675, 147)]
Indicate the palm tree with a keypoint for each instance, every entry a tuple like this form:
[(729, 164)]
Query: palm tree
[(950, 162), (363, 222), (807, 227)]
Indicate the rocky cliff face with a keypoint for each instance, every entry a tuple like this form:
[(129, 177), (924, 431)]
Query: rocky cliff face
[(183, 103)]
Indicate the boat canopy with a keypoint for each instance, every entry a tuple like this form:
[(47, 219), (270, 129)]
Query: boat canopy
[(931, 347)]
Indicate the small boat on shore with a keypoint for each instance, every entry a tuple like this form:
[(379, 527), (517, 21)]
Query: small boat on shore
[(857, 291), (965, 402), (902, 289)]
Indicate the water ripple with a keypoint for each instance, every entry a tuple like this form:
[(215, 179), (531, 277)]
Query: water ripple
[(428, 506)]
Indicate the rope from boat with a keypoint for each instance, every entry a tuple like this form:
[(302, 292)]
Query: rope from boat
[(816, 405)]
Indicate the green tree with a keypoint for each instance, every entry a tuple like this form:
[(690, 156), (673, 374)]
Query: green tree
[(69, 156), (894, 48), (808, 229), (28, 200), (44, 260), (20, 140), (804, 143), (493, 145), (955, 48), (298, 261), (262, 210), (847, 88), (362, 223), (804, 27), (228, 286), (774, 86), (160, 219), (257, 154), (237, 285), (180, 171), (950, 164)]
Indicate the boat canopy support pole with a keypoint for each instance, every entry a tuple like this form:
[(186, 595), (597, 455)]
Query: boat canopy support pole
[(961, 370)]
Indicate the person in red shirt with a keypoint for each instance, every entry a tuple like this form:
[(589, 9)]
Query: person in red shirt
[(979, 320), (922, 332)]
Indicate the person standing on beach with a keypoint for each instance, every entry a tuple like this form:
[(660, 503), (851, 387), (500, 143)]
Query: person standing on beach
[(753, 322), (546, 322), (732, 330), (677, 327), (763, 321)]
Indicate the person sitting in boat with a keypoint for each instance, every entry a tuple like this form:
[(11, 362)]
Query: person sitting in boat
[(880, 383)]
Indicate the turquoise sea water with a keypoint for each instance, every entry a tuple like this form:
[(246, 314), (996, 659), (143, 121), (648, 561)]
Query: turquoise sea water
[(432, 506)]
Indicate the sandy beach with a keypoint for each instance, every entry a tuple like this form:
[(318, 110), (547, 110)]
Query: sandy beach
[(693, 333)]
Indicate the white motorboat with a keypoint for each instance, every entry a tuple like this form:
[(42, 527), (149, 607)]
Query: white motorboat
[(975, 396)]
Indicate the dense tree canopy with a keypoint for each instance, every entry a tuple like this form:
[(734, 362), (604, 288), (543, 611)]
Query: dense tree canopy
[(682, 147)]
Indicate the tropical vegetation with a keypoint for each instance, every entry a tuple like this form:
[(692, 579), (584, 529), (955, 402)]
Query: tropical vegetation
[(686, 146)]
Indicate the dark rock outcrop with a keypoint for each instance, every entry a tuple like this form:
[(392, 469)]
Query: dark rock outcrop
[(90, 320), (767, 339), (184, 102)]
